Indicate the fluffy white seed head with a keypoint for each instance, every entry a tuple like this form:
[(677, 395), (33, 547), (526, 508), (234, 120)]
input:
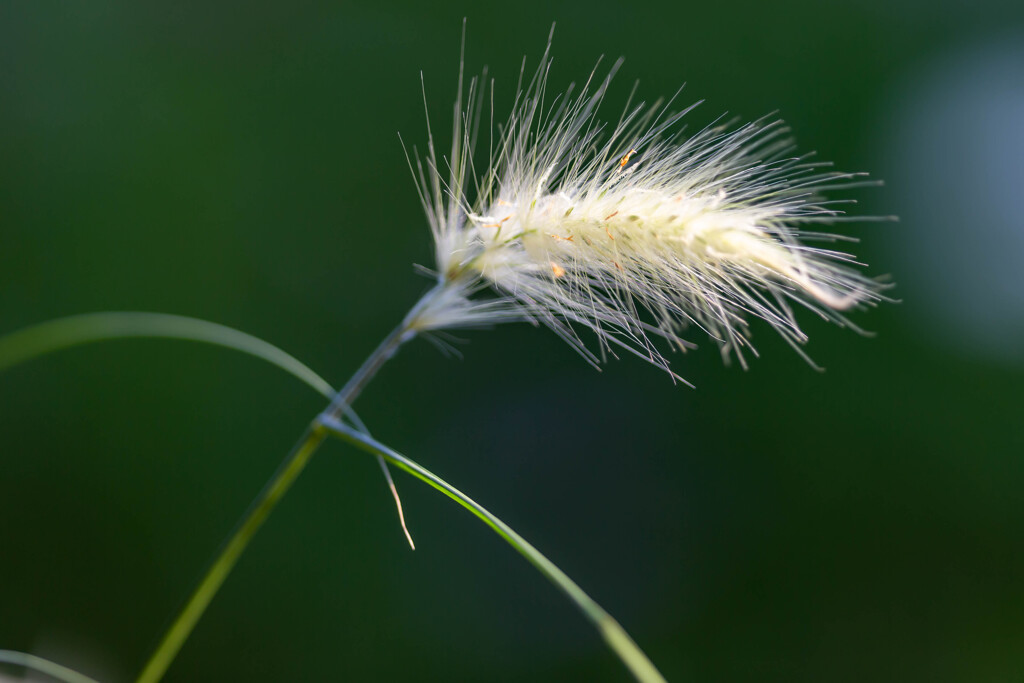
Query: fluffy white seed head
[(631, 230)]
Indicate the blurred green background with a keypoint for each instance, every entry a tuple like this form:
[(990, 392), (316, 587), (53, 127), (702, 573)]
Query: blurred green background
[(239, 163)]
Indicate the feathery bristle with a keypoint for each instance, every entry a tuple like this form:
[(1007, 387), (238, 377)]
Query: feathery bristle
[(633, 230)]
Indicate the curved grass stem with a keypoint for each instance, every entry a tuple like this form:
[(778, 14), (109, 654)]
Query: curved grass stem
[(43, 666), (614, 635), (77, 330)]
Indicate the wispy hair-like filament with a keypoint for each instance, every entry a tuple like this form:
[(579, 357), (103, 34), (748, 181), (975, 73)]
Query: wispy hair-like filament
[(634, 230)]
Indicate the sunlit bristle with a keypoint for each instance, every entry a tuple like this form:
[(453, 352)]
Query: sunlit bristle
[(631, 230)]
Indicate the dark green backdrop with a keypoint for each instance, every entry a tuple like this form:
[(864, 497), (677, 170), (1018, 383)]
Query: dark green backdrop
[(240, 163)]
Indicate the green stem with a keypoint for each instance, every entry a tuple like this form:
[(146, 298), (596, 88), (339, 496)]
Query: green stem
[(264, 504), (225, 562), (382, 354), (616, 637)]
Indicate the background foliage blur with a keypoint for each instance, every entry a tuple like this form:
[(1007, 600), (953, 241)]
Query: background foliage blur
[(239, 163)]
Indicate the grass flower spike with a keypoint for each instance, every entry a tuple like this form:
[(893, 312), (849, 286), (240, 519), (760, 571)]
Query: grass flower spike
[(631, 230)]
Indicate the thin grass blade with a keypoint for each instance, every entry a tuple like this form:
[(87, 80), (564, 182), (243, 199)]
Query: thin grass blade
[(43, 666), (614, 635), (76, 330)]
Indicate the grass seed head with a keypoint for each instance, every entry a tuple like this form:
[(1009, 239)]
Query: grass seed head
[(630, 229)]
